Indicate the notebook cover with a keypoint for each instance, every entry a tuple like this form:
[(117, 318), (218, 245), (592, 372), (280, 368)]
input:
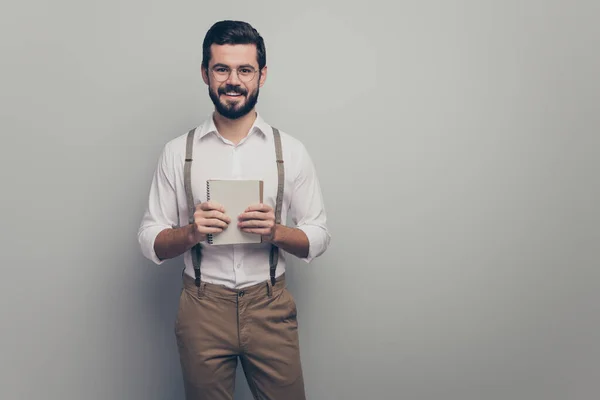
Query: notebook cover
[(235, 196)]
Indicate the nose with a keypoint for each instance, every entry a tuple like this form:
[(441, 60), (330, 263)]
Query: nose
[(233, 78)]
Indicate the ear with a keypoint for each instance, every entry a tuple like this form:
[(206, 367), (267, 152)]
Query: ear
[(263, 76), (204, 75)]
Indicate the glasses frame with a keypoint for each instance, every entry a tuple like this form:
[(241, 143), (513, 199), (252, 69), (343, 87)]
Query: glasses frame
[(220, 79)]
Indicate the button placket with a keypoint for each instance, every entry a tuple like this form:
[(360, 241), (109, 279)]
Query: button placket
[(236, 165)]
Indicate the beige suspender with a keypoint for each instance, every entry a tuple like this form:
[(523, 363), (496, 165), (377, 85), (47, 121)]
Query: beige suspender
[(274, 256), (187, 180)]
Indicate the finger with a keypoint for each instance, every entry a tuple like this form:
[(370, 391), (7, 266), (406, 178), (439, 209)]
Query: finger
[(205, 230), (255, 215), (211, 205), (212, 214), (254, 223), (212, 222), (217, 214), (259, 207)]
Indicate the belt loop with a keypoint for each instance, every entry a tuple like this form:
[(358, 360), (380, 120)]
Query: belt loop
[(269, 288)]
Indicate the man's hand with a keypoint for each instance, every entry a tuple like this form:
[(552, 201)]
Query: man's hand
[(209, 218), (259, 219)]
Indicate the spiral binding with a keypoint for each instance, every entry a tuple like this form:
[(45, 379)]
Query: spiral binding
[(209, 236)]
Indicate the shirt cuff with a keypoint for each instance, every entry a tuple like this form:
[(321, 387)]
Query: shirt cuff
[(146, 238), (318, 239)]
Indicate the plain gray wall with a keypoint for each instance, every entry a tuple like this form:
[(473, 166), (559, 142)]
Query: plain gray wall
[(458, 147)]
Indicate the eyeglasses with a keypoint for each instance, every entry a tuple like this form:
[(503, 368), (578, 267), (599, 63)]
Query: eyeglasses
[(222, 73)]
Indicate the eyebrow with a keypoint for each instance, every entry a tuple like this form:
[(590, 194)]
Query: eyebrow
[(227, 66)]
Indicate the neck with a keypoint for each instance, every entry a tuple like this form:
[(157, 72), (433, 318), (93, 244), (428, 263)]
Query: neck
[(234, 129)]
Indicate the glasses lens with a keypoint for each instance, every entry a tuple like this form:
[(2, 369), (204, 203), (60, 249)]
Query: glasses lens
[(221, 73), (246, 74)]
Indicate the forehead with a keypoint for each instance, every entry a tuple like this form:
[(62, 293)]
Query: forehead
[(234, 54)]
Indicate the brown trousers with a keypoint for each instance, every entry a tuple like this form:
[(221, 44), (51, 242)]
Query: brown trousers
[(217, 325)]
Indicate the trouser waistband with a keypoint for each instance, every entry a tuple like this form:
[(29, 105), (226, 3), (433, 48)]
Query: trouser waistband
[(227, 293)]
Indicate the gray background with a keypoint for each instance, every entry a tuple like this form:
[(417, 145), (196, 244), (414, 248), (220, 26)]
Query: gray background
[(457, 144)]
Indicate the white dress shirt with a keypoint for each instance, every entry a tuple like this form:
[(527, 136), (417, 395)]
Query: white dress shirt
[(215, 157)]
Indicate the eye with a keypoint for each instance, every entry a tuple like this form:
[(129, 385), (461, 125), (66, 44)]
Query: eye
[(246, 71)]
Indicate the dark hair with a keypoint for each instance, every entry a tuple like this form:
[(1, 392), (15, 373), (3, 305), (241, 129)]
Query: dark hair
[(233, 32)]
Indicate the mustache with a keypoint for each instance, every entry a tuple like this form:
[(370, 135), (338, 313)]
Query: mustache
[(232, 89)]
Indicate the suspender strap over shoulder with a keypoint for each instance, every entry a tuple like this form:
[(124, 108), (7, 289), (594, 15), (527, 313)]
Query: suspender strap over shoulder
[(197, 249), (274, 256), (187, 180)]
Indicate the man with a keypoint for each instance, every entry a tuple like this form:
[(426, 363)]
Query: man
[(234, 304)]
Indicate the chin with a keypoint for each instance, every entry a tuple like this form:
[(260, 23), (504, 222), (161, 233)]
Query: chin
[(233, 112), (231, 109), (233, 104)]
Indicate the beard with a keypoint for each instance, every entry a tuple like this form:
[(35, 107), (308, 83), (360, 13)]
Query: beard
[(232, 110)]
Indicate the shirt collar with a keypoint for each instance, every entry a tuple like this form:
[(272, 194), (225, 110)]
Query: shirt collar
[(259, 126)]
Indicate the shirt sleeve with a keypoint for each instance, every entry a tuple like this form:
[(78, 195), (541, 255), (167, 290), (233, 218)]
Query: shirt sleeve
[(161, 212), (307, 209)]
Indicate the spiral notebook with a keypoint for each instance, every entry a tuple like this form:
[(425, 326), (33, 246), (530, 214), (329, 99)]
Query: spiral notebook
[(235, 195)]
